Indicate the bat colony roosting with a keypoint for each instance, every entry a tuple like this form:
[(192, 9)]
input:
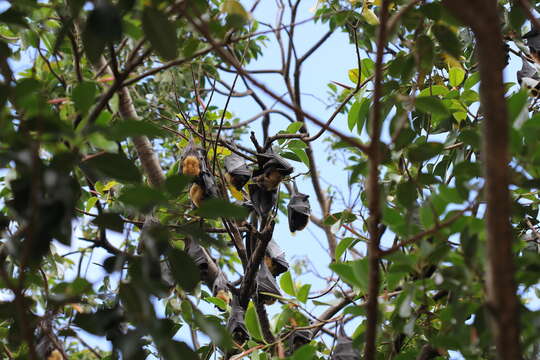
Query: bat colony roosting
[(261, 200)]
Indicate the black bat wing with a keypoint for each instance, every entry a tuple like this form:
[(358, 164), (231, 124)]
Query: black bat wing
[(235, 164), (236, 325), (266, 282), (344, 349), (278, 258), (263, 200), (220, 284), (298, 211), (270, 159)]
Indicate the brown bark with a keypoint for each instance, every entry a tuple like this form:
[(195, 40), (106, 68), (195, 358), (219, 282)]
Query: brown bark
[(482, 17), (373, 194), (149, 159)]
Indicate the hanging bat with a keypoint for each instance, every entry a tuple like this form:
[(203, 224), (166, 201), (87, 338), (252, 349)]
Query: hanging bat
[(528, 77), (298, 210), (191, 159), (344, 349), (265, 282), (196, 252), (263, 200), (235, 323), (204, 186), (299, 338), (238, 174), (272, 169), (47, 345), (533, 42), (220, 288), (275, 259)]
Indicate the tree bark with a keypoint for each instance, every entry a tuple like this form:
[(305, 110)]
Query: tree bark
[(482, 17), (149, 159)]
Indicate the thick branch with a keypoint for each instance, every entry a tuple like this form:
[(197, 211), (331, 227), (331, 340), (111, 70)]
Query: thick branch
[(373, 192), (482, 17)]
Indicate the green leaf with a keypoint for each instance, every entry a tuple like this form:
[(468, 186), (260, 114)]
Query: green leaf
[(114, 166), (303, 293), (217, 301), (110, 221), (294, 127), (286, 283), (142, 197), (252, 322), (237, 16), (90, 203), (184, 269), (516, 103), (425, 151), (431, 105), (352, 118), (361, 270), (216, 208), (306, 352), (456, 76), (472, 80), (447, 39), (84, 95), (161, 33), (102, 25), (301, 153), (406, 194), (129, 128), (345, 272), (176, 184), (425, 52), (344, 244), (14, 17)]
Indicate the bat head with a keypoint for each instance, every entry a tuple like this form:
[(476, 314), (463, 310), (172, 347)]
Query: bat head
[(192, 159)]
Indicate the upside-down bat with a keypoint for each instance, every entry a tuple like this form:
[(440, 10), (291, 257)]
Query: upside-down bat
[(238, 174), (266, 283), (533, 42), (191, 159), (194, 164), (275, 259), (47, 343), (263, 200), (197, 253), (528, 77), (271, 171), (344, 349), (298, 210), (235, 323), (220, 288), (299, 338)]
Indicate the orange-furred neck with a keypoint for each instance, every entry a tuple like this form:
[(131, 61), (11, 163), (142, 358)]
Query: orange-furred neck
[(191, 166)]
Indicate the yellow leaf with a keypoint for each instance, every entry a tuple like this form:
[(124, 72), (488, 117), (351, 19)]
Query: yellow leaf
[(451, 61), (110, 185), (353, 75), (370, 16), (235, 193), (221, 150)]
